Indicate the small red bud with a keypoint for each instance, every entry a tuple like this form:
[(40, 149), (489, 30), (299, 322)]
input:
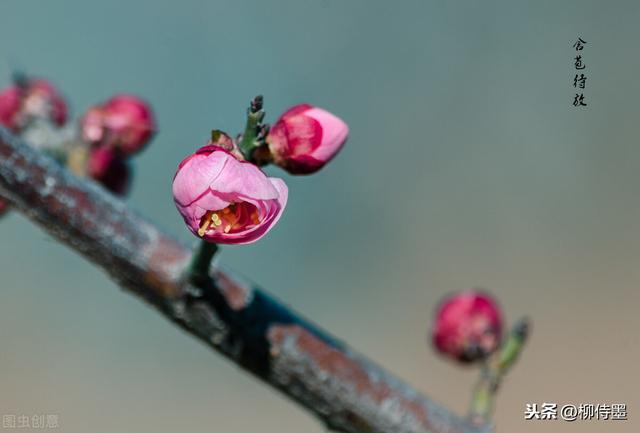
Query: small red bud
[(10, 101), (467, 326), (109, 168), (34, 98), (124, 121)]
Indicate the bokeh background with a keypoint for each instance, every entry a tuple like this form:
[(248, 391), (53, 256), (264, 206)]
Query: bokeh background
[(467, 166)]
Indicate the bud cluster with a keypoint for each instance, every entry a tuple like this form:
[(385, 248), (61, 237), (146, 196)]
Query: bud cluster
[(25, 102), (222, 194), (28, 99), (108, 134), (112, 133)]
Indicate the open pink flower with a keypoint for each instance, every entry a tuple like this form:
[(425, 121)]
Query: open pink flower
[(36, 98), (305, 138), (124, 121), (468, 326), (227, 201)]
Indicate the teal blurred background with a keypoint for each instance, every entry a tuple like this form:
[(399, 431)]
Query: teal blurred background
[(466, 166)]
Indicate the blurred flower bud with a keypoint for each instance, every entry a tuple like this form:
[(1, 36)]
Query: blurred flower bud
[(305, 138), (124, 121), (108, 167), (91, 125), (467, 326), (223, 200), (10, 102), (30, 99), (4, 206)]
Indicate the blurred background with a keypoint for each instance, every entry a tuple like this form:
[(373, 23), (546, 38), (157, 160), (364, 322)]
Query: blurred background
[(467, 166)]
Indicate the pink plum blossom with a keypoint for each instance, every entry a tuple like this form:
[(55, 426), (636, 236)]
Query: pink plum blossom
[(468, 326), (305, 138), (124, 121), (224, 200), (35, 98)]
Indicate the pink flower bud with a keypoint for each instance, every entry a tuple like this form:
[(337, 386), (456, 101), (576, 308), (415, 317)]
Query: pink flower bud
[(108, 167), (124, 121), (10, 102), (468, 326), (35, 98), (226, 201), (43, 92), (92, 125), (305, 138)]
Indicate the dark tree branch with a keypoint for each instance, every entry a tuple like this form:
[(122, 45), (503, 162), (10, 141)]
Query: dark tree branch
[(346, 391)]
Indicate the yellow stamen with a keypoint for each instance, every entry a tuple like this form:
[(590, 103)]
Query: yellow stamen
[(204, 226), (227, 219)]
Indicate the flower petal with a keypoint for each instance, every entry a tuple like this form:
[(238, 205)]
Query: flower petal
[(244, 180), (194, 178)]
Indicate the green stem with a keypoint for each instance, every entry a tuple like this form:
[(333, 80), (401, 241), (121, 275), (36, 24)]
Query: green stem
[(200, 265), (513, 346), (493, 372), (482, 398), (255, 115)]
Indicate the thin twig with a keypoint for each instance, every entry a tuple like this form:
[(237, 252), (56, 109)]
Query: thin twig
[(345, 390)]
